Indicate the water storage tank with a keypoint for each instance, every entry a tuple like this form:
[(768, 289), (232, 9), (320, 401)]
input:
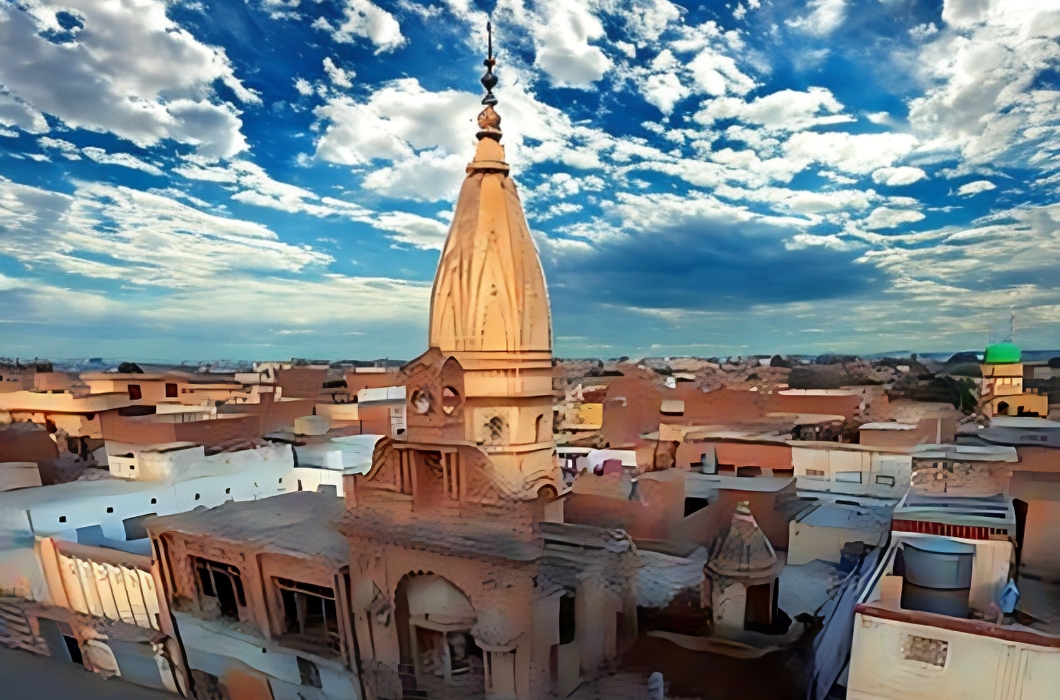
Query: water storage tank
[(938, 576)]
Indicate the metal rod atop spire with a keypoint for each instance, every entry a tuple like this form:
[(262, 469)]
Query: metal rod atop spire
[(489, 80)]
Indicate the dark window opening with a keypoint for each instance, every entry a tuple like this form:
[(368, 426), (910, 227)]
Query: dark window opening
[(759, 610), (222, 582), (134, 392), (154, 501), (694, 503), (62, 518), (75, 649), (110, 509), (749, 471), (309, 673), (884, 480), (171, 391), (310, 614), (566, 618)]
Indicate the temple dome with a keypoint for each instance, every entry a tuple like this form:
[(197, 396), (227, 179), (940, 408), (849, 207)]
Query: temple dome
[(1002, 353), (489, 292)]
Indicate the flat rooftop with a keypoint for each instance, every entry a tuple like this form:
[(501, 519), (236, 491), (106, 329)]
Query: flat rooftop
[(301, 522), (696, 483), (985, 511), (965, 453)]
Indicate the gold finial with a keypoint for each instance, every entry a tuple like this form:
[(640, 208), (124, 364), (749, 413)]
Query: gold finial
[(489, 122)]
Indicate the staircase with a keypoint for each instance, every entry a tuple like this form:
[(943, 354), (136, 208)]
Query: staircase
[(15, 631)]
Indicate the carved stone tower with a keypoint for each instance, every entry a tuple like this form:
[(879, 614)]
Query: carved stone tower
[(489, 310)]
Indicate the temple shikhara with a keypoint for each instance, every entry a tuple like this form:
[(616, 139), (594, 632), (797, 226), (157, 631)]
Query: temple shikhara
[(487, 521)]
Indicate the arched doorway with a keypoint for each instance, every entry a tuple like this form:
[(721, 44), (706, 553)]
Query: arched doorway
[(434, 619)]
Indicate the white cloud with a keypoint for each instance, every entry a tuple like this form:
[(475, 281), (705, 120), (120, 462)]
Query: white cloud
[(181, 271), (122, 159), (804, 202), (428, 176), (851, 153), (885, 217), (396, 120), (662, 87), (717, 74), (790, 110), (129, 70), (646, 20), (15, 112), (972, 188), (824, 17), (338, 77), (428, 137), (365, 20), (563, 48), (413, 230), (897, 177), (801, 241), (108, 232), (982, 69), (255, 186), (69, 150), (923, 31)]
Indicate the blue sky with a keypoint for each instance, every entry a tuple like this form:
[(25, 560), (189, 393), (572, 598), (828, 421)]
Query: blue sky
[(273, 178)]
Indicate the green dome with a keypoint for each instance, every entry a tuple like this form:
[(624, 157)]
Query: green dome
[(1001, 354)]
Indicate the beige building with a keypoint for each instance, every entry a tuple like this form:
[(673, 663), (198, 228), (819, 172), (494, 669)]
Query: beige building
[(1003, 393), (936, 620)]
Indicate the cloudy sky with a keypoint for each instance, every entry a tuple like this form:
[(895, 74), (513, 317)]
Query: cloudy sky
[(201, 179)]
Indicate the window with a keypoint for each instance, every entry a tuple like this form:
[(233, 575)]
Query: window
[(450, 400), (748, 471), (223, 584), (134, 392), (884, 480), (310, 614), (171, 391), (693, 504), (566, 618), (421, 403), (495, 430), (814, 472)]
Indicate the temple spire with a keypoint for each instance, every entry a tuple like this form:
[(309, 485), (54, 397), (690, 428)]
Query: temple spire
[(489, 293)]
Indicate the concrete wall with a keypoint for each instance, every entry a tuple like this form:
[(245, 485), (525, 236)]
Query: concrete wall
[(852, 472), (880, 667)]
